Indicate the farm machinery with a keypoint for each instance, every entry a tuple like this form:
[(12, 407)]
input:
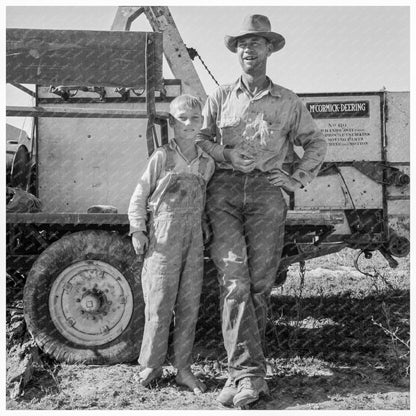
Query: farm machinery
[(101, 108)]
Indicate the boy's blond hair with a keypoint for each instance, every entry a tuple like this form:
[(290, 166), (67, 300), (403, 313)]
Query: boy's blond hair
[(185, 100)]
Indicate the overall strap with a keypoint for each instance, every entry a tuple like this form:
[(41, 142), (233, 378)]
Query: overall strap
[(202, 166), (170, 161)]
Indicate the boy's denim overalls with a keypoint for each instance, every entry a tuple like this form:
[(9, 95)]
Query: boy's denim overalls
[(173, 268)]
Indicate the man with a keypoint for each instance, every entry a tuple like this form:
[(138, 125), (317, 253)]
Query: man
[(249, 127)]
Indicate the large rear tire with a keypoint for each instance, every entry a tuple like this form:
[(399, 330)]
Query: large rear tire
[(83, 301)]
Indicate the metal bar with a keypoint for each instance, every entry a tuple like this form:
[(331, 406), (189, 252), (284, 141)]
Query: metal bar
[(24, 89), (383, 117), (318, 251), (398, 198), (64, 218), (164, 132), (172, 81), (313, 217), (150, 93), (332, 94), (94, 100), (175, 50), (125, 16), (35, 147), (15, 111), (293, 218)]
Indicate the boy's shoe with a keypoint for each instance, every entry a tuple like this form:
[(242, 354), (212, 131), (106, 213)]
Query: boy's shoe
[(249, 390), (226, 395)]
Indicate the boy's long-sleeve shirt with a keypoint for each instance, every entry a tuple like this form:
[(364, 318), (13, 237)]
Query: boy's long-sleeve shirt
[(263, 126), (154, 181)]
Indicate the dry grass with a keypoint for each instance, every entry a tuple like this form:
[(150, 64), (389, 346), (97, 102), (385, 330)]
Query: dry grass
[(327, 340)]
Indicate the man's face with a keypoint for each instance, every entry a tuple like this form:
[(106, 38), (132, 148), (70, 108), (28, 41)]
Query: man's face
[(186, 122), (252, 52)]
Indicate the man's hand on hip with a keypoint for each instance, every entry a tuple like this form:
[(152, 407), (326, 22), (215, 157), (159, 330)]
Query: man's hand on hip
[(278, 178), (240, 160)]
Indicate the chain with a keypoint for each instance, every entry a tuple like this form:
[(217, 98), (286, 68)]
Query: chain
[(194, 53)]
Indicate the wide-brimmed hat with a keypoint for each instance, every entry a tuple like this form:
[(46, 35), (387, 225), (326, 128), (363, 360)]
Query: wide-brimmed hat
[(256, 25)]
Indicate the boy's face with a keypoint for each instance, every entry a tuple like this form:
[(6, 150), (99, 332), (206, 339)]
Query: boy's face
[(186, 122)]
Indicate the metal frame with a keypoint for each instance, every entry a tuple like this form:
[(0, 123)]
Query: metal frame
[(174, 48), (33, 48)]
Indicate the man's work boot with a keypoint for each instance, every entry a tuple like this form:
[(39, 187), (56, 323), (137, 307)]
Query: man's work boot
[(249, 390), (227, 393)]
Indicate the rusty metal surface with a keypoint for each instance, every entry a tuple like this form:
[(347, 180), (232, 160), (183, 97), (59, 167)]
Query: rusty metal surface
[(97, 58)]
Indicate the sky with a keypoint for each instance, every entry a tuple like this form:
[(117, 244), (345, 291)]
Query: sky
[(328, 48)]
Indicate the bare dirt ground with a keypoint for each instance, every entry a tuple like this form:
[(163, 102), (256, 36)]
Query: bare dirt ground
[(337, 340)]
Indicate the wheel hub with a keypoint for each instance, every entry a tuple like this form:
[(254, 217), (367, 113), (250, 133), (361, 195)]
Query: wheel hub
[(93, 302), (90, 303)]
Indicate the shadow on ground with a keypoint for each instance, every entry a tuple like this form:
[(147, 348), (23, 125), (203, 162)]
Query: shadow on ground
[(323, 349)]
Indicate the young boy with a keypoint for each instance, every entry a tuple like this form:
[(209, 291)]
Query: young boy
[(172, 189)]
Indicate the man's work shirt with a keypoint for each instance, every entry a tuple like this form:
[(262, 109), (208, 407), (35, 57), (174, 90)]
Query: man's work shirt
[(265, 126), (155, 179)]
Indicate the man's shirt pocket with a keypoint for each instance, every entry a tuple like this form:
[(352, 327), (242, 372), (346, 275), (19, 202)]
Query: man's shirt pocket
[(231, 128)]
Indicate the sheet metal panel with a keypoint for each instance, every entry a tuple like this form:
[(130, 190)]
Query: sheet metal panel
[(87, 161), (398, 127), (85, 57), (331, 192), (351, 123)]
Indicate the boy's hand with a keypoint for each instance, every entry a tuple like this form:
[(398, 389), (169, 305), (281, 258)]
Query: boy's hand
[(289, 184), (140, 242)]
